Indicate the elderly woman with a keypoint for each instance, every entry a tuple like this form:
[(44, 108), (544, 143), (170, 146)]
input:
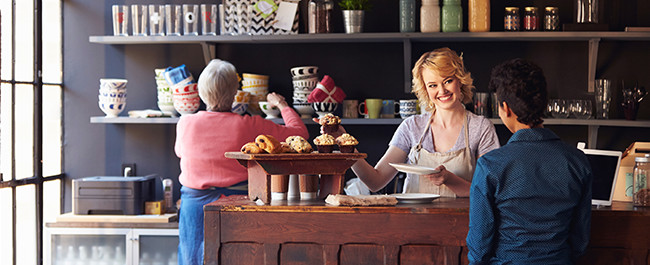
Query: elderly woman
[(447, 137), (204, 137)]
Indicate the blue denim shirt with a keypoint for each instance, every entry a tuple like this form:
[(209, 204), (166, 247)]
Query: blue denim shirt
[(530, 202)]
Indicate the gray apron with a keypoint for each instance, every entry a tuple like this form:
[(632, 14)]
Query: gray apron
[(460, 162)]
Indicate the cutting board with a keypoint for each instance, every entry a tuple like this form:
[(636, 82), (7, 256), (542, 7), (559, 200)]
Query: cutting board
[(165, 218)]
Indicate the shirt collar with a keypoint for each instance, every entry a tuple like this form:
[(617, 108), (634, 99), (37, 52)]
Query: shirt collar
[(533, 134)]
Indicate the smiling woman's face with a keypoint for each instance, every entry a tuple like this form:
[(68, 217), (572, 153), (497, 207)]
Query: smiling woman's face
[(443, 91)]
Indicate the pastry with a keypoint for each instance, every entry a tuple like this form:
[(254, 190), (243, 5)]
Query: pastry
[(325, 143), (330, 123), (286, 148), (268, 143), (251, 148), (299, 144), (347, 143)]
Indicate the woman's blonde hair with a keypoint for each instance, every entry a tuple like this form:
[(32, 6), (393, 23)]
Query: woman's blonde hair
[(446, 63), (218, 84)]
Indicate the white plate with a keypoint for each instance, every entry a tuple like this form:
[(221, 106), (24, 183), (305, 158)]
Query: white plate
[(415, 169), (415, 197)]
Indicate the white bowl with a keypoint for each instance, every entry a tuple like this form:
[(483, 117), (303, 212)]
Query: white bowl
[(112, 83), (111, 109), (239, 107), (187, 105), (300, 71), (305, 110), (271, 112)]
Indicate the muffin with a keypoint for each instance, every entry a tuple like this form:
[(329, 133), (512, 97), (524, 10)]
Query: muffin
[(346, 143), (330, 123), (325, 143), (299, 144)]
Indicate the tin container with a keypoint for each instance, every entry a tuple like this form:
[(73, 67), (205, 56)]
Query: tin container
[(511, 19), (530, 18), (551, 18)]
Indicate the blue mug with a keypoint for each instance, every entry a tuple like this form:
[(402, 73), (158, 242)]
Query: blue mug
[(388, 107)]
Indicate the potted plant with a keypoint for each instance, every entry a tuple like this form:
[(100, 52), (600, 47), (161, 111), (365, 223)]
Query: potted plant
[(353, 13)]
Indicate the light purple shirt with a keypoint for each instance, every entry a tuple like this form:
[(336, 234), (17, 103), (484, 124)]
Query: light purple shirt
[(482, 135)]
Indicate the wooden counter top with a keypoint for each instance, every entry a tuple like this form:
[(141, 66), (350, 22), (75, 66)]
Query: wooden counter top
[(239, 231)]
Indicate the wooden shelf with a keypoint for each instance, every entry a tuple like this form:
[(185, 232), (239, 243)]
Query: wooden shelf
[(378, 37)]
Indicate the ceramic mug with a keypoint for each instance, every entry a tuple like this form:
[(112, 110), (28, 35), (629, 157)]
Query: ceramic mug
[(350, 107), (388, 108), (372, 108), (407, 107)]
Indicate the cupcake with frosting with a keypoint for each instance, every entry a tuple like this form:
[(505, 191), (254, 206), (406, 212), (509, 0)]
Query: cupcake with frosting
[(347, 143), (330, 123), (325, 143)]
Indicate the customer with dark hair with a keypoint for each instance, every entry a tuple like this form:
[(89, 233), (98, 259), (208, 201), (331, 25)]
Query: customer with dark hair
[(530, 200)]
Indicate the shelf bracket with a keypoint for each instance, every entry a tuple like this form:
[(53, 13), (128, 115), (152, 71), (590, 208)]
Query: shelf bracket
[(407, 65), (593, 59), (592, 136), (209, 52)]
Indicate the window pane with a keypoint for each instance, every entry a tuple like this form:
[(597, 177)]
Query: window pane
[(5, 131), (24, 128), (51, 200), (25, 225), (5, 11), (6, 247), (52, 72), (24, 41), (52, 130)]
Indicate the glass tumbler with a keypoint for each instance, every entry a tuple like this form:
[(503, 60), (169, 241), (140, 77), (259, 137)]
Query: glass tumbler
[(190, 20), (140, 18), (209, 19), (603, 93), (173, 16), (120, 20), (157, 20)]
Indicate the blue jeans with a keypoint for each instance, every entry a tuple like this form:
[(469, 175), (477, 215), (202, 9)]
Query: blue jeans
[(190, 222)]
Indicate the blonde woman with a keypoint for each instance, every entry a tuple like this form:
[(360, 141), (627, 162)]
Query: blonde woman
[(446, 137)]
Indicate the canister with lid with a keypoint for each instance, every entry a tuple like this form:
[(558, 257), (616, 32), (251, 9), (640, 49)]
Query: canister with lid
[(641, 187), (430, 16), (478, 13), (530, 18), (452, 16), (551, 18), (511, 19)]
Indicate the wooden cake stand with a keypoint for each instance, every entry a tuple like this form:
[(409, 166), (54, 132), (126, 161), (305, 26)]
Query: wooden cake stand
[(330, 166)]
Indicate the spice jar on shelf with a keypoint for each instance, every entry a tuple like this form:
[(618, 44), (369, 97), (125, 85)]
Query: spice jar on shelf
[(640, 180), (511, 19), (530, 18), (551, 18)]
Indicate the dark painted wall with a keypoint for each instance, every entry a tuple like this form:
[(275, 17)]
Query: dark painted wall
[(362, 69)]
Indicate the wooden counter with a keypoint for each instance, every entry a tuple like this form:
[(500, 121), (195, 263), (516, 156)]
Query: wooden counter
[(238, 231)]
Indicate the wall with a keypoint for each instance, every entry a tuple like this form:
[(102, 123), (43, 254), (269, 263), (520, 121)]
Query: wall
[(362, 69)]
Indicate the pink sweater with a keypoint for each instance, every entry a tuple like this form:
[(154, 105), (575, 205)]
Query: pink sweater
[(204, 137)]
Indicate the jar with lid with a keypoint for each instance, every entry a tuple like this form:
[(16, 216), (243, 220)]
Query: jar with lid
[(551, 18), (478, 12), (452, 16), (530, 18), (511, 19), (640, 180), (319, 16), (406, 15), (430, 16)]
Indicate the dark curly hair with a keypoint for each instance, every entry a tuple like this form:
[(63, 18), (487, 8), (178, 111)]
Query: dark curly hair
[(522, 85)]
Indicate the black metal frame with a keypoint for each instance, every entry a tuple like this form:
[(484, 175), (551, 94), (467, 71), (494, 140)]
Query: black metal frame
[(38, 179)]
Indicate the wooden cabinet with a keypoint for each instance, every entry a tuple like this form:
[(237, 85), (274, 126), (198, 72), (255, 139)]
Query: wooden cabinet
[(237, 231)]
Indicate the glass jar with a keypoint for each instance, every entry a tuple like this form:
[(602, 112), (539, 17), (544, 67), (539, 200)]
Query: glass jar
[(641, 187), (430, 16), (511, 19), (478, 13), (530, 18), (551, 18), (319, 16), (407, 15), (452, 16)]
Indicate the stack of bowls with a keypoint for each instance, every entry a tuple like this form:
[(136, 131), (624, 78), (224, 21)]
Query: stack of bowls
[(165, 97), (305, 79), (240, 104), (258, 87), (112, 96), (185, 97)]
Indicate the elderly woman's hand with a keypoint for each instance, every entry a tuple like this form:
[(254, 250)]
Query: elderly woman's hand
[(276, 100)]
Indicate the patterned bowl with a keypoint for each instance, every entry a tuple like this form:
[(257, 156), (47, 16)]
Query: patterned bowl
[(322, 108)]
